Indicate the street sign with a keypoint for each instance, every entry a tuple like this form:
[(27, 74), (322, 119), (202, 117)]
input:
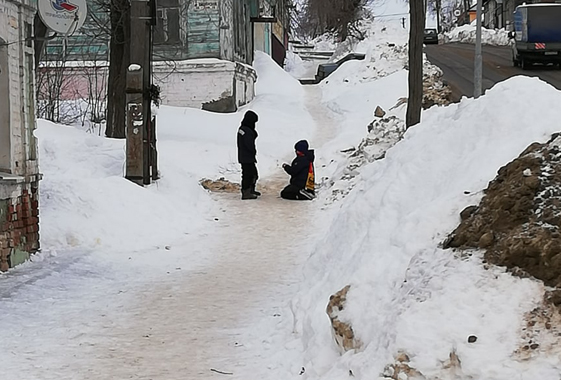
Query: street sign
[(63, 16), (457, 13)]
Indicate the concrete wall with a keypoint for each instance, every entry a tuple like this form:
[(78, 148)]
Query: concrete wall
[(214, 85)]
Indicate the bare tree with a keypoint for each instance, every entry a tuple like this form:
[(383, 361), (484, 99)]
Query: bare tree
[(339, 17), (417, 10)]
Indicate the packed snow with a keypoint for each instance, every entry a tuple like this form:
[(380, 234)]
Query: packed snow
[(169, 281)]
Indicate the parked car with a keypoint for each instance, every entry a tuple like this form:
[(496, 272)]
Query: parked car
[(431, 36), (325, 69)]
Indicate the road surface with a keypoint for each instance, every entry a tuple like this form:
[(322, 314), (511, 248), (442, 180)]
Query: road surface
[(457, 60)]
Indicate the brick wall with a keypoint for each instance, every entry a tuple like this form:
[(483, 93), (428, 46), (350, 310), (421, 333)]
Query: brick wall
[(19, 223)]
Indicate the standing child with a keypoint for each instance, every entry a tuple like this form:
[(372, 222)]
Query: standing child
[(247, 155)]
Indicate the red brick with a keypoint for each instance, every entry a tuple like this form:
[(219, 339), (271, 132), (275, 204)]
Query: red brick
[(31, 229), (25, 206), (14, 217), (11, 209), (26, 214), (4, 266), (11, 243), (7, 226), (4, 253), (35, 212), (35, 204), (25, 192), (18, 208)]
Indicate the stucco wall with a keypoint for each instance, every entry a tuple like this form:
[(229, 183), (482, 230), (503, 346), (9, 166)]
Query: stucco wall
[(199, 84)]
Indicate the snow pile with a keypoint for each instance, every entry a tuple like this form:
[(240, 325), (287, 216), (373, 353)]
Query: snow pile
[(354, 91), (295, 66), (466, 34), (383, 133), (407, 295), (86, 202), (325, 42)]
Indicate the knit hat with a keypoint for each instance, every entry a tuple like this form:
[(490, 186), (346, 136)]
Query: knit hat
[(301, 146), (249, 119)]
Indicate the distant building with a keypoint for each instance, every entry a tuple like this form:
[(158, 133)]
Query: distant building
[(500, 13), (468, 17), (204, 48), (19, 176)]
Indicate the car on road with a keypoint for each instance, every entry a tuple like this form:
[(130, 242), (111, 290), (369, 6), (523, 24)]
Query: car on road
[(325, 69), (431, 36)]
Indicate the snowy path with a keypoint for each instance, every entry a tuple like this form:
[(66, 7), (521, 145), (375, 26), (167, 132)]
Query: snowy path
[(228, 312)]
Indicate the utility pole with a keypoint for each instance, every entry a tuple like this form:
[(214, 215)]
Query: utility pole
[(140, 133), (478, 64)]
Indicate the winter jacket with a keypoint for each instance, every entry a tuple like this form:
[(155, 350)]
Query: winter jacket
[(246, 145), (247, 134), (299, 169)]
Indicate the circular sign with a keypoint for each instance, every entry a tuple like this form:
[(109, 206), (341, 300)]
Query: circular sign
[(457, 13), (63, 16)]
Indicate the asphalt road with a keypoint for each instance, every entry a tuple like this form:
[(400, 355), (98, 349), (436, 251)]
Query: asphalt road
[(457, 61)]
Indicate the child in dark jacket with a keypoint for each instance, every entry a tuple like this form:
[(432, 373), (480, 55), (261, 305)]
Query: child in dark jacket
[(299, 171)]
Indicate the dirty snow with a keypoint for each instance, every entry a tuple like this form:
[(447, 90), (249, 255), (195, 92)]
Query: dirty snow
[(466, 34)]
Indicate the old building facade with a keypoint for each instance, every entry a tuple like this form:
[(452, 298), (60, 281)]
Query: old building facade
[(19, 175), (203, 50), (211, 44), (500, 13)]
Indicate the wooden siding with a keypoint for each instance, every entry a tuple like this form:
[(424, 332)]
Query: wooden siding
[(226, 30), (203, 29)]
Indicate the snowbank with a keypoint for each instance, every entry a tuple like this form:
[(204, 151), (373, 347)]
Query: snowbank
[(466, 34), (408, 295)]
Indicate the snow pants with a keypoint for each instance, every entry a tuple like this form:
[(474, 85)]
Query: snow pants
[(294, 193), (249, 176)]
